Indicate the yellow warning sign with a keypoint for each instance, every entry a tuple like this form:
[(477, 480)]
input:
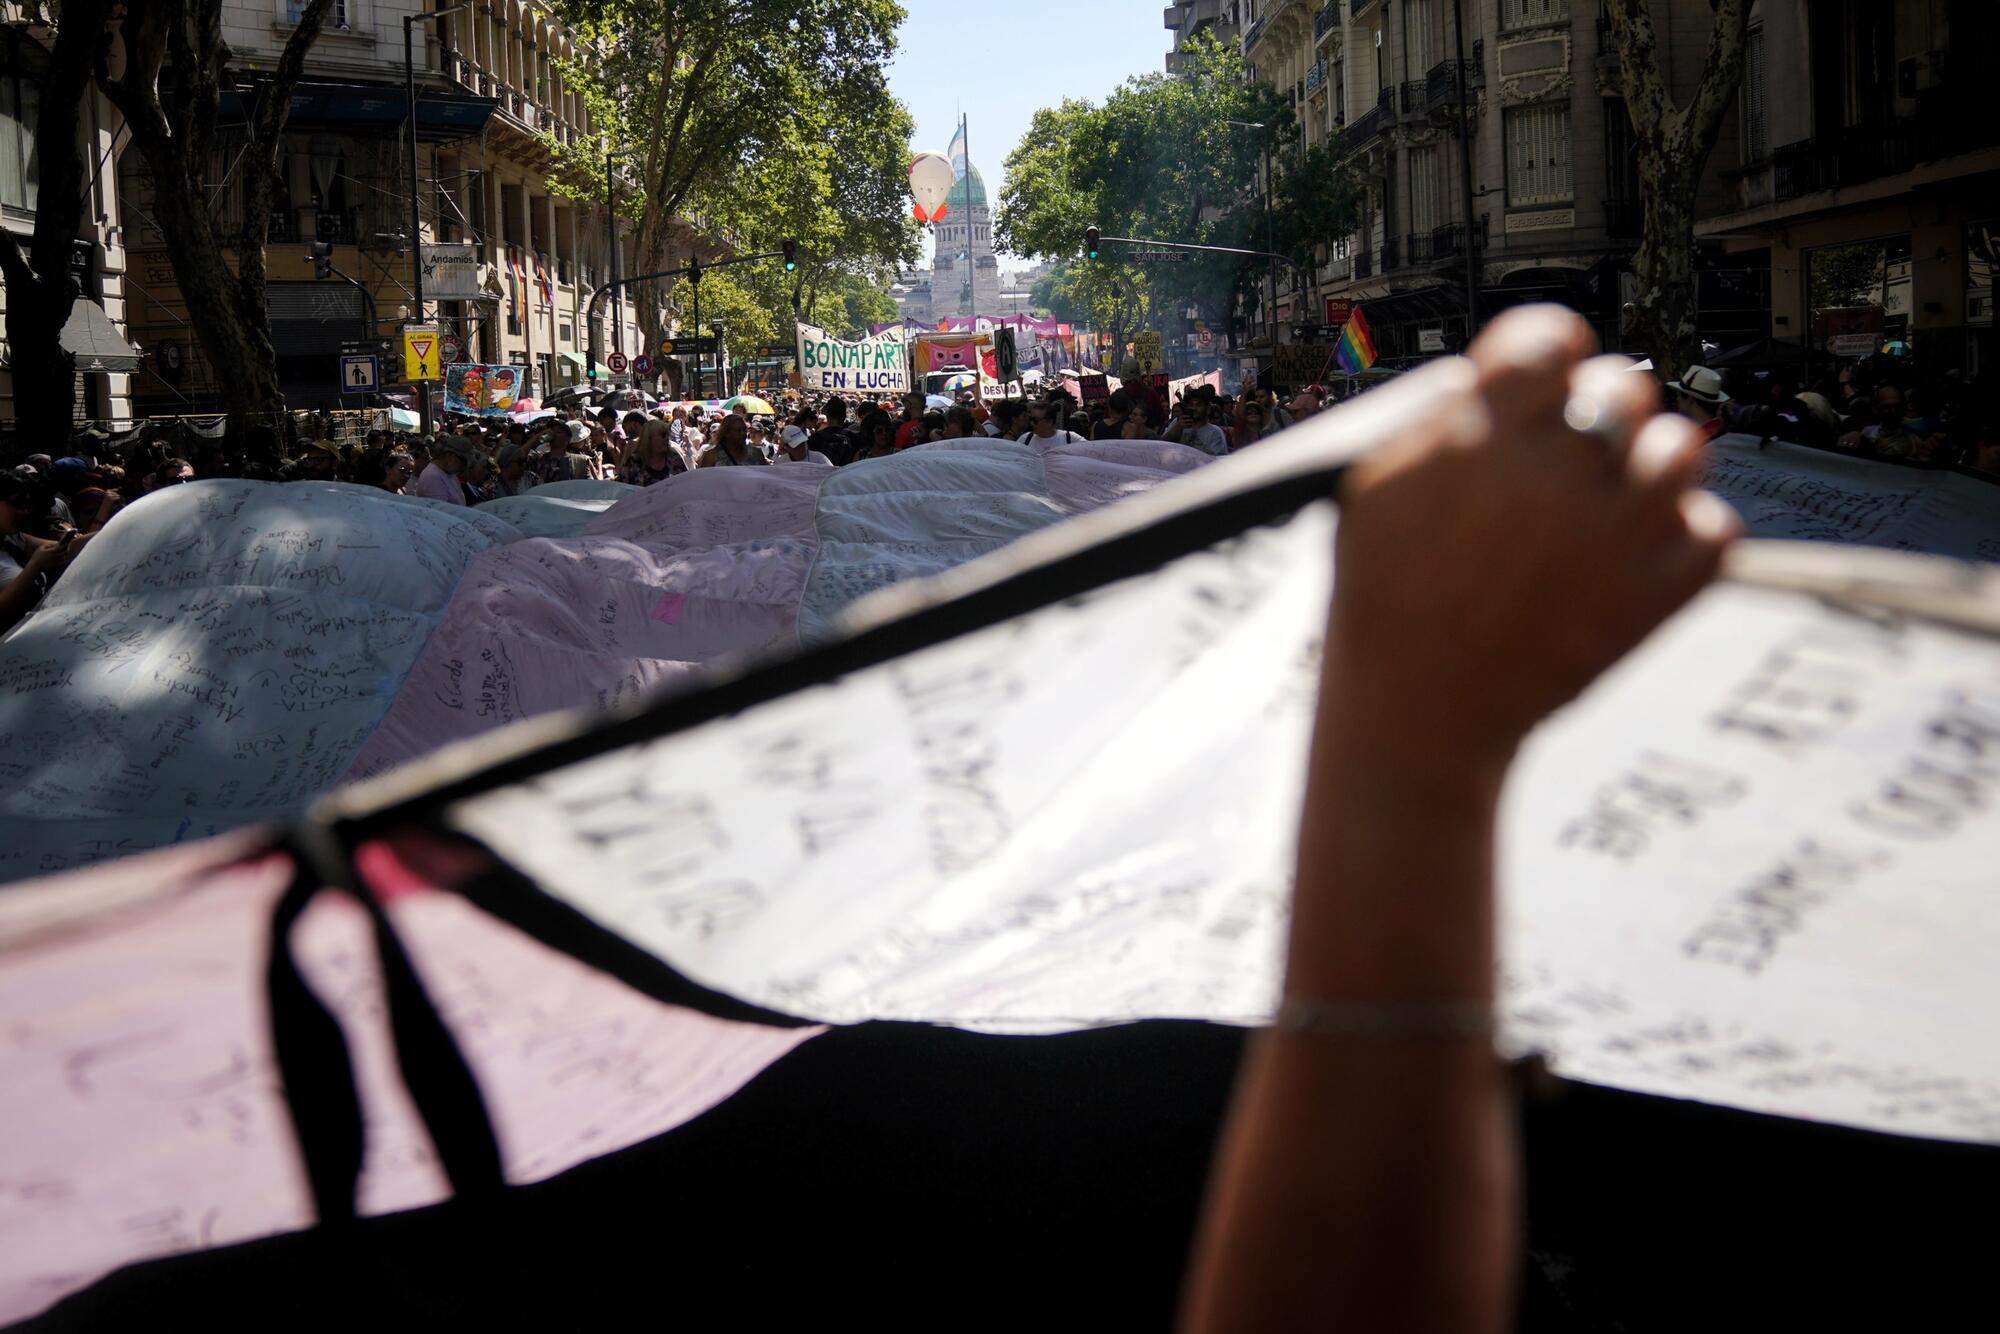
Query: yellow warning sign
[(420, 354)]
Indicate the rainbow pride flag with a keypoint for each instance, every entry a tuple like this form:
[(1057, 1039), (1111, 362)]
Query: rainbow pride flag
[(1356, 349)]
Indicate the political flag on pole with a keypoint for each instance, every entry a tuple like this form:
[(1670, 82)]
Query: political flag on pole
[(956, 152)]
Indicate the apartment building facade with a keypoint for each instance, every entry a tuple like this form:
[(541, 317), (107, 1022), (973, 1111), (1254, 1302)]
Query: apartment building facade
[(492, 96), (1188, 19), (1870, 174), (106, 363), (1554, 186)]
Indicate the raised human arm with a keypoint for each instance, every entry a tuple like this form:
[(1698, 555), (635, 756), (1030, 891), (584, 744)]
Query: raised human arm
[(1489, 565)]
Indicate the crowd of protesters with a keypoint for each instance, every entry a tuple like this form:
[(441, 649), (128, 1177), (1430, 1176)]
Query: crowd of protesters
[(1880, 407)]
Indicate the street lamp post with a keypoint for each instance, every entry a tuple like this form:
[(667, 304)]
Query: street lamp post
[(416, 213), (611, 245), (1270, 228), (1465, 144)]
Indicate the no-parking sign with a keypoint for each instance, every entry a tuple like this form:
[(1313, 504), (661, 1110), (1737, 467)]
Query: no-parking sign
[(641, 365), (616, 361)]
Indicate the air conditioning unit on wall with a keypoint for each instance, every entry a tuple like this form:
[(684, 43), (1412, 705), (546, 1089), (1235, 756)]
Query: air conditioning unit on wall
[(1917, 74)]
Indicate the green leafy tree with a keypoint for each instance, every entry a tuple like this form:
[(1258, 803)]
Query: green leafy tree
[(1159, 160), (1318, 202), (767, 120), (745, 318), (1848, 275)]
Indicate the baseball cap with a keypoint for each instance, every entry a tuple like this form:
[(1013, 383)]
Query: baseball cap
[(578, 432), (795, 436)]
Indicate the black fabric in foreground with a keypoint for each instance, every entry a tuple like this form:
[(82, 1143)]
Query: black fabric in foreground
[(899, 1177)]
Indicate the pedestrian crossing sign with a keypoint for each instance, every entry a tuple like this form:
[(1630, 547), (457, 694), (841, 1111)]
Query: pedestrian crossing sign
[(420, 354), (358, 374)]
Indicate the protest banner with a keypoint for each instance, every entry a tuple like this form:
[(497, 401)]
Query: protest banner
[(876, 364), (1297, 365), (481, 391)]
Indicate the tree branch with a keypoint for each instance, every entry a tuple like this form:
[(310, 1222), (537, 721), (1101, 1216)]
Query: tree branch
[(137, 94), (200, 71), (1646, 100), (267, 129), (1722, 71)]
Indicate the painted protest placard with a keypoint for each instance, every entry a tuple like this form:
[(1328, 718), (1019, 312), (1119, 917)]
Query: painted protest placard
[(481, 391)]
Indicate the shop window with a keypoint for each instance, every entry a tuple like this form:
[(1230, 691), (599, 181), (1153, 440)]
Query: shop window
[(1982, 249)]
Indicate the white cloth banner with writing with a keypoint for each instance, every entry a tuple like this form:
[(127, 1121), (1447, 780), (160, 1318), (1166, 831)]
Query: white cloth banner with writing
[(1752, 866), (879, 364)]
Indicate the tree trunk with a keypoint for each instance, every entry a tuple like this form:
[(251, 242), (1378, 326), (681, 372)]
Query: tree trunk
[(44, 373), (238, 346), (40, 291), (1663, 316)]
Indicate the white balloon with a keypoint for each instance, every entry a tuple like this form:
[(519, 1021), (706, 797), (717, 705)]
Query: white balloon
[(930, 184)]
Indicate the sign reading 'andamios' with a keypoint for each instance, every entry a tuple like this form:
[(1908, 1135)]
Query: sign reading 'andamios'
[(880, 364)]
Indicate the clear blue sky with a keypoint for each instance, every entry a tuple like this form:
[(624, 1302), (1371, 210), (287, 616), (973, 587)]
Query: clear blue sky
[(999, 63)]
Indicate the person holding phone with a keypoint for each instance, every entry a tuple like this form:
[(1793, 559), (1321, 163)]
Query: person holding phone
[(1190, 426), (29, 565)]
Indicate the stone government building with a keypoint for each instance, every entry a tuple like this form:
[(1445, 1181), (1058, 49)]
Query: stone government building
[(964, 277)]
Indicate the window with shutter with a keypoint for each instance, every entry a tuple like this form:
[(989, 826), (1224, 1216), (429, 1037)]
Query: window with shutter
[(1756, 141), (1522, 13), (1418, 49), (1538, 161), (1423, 189)]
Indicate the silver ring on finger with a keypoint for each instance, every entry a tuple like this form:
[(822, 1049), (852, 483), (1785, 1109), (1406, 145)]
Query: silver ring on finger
[(1588, 416)]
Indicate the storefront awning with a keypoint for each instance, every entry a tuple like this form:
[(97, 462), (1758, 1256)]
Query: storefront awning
[(359, 108), (1436, 302), (95, 342), (575, 359)]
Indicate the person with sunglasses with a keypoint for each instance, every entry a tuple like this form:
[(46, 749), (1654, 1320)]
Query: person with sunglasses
[(1043, 430)]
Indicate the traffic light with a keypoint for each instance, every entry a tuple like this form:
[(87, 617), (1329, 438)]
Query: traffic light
[(321, 255), (1090, 235), (590, 371), (791, 256)]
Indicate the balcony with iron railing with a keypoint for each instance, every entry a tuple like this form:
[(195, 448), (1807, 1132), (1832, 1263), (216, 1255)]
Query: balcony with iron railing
[(1326, 19), (1437, 244), (1315, 77), (1338, 268), (1857, 154), (1441, 82), (1356, 8), (1412, 97), (1370, 123)]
